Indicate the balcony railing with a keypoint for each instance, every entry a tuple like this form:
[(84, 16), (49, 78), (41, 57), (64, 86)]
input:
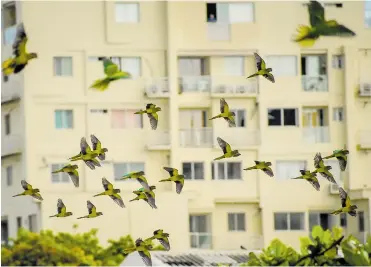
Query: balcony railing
[(189, 84), (158, 87), (250, 87), (239, 137), (9, 35), (196, 137), (317, 83), (364, 138), (158, 138), (11, 144), (201, 240), (315, 135)]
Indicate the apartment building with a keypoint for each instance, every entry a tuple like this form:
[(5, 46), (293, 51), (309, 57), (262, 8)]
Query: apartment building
[(184, 57)]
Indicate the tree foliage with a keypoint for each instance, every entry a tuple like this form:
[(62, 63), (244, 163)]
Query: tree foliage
[(64, 249), (319, 250)]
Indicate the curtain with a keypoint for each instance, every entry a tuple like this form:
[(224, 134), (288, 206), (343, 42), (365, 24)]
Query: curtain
[(241, 12), (289, 169), (234, 66), (282, 65), (313, 65), (222, 13)]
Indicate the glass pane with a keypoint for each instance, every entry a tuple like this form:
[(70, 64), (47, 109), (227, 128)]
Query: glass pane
[(9, 175), (274, 117), (241, 117), (220, 167), (58, 119), (68, 119), (231, 222), (201, 224), (119, 170), (198, 170), (204, 241), (241, 12), (343, 220), (55, 176), (313, 220), (187, 170), (289, 117), (132, 65), (280, 221), (194, 241), (241, 222), (117, 118), (136, 167), (296, 221), (234, 170), (212, 171)]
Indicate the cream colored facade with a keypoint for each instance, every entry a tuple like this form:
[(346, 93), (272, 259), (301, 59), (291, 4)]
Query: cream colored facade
[(165, 33)]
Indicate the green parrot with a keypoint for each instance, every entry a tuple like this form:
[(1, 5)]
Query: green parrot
[(71, 170), (143, 251), (97, 147), (151, 111), (29, 191), (347, 206), (262, 165), (139, 176), (310, 177), (226, 114), (322, 169), (262, 70), (147, 195), (341, 156), (61, 209), (87, 155), (227, 150), (319, 26), (161, 237), (175, 177), (111, 192), (92, 211), (21, 57), (112, 72)]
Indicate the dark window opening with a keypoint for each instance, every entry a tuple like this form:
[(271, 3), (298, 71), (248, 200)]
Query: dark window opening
[(274, 117), (4, 231), (303, 66), (7, 124), (343, 220), (321, 117), (211, 12), (324, 221), (204, 118), (339, 5), (19, 222), (289, 117), (361, 221)]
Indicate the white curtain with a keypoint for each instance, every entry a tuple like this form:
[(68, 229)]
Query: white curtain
[(234, 66), (241, 12), (312, 66), (127, 12), (282, 65), (289, 169)]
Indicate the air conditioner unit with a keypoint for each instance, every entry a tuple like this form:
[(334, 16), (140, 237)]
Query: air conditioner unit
[(365, 89), (334, 189)]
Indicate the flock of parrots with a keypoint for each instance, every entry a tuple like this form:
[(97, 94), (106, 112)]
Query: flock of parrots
[(307, 35)]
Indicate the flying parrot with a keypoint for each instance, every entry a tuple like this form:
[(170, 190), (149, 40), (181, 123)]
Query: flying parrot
[(262, 70), (226, 114), (151, 111)]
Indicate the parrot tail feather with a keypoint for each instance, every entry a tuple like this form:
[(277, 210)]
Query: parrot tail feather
[(82, 217), (140, 112), (22, 194), (336, 212), (133, 199), (303, 36), (250, 168), (215, 117), (165, 180), (218, 158), (253, 75), (52, 216), (100, 194), (101, 84)]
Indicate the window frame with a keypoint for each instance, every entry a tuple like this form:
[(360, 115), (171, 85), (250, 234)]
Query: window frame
[(120, 62), (278, 162), (64, 119), (234, 227), (193, 170), (237, 117), (193, 233), (215, 174), (9, 175), (130, 111), (59, 60), (123, 4), (128, 169), (282, 117), (288, 221), (63, 178)]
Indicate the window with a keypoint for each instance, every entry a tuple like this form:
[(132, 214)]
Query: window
[(314, 65), (9, 14), (62, 66), (289, 169), (120, 169), (4, 230), (133, 65), (241, 12), (200, 233), (338, 114), (318, 218), (361, 221), (338, 61), (127, 12), (19, 222), (126, 119), (211, 15), (240, 117), (343, 220), (193, 170), (283, 117), (226, 171), (7, 123), (63, 119), (191, 66), (99, 111), (234, 66), (9, 175), (60, 177), (236, 222), (368, 13), (282, 65), (32, 223), (289, 221)]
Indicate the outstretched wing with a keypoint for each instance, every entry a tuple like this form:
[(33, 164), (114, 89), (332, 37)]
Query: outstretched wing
[(74, 175), (171, 171), (260, 63), (269, 77), (336, 29), (146, 257), (179, 186), (316, 13), (231, 121), (91, 207), (84, 146), (60, 206), (19, 45), (153, 120), (268, 171), (318, 162), (25, 185), (314, 182), (164, 241), (224, 145), (345, 200), (118, 200), (96, 143), (110, 68), (107, 185), (224, 108), (342, 162)]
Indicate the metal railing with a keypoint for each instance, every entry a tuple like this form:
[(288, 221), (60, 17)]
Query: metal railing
[(317, 83), (157, 87), (227, 88), (364, 138), (201, 240), (194, 84), (196, 137), (11, 144), (315, 135), (158, 138), (240, 137)]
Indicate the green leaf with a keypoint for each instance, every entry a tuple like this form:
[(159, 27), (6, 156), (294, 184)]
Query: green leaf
[(327, 238), (337, 232), (317, 231), (367, 245), (353, 254), (331, 253), (304, 243), (277, 248)]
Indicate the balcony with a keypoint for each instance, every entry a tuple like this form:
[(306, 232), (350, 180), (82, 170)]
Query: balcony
[(233, 86), (157, 88), (194, 84), (9, 35), (314, 135), (11, 91), (201, 137), (239, 137), (364, 140), (201, 240), (314, 83), (11, 145), (158, 140)]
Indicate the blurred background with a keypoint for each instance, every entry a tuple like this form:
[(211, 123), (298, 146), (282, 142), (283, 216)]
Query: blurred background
[(184, 57)]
